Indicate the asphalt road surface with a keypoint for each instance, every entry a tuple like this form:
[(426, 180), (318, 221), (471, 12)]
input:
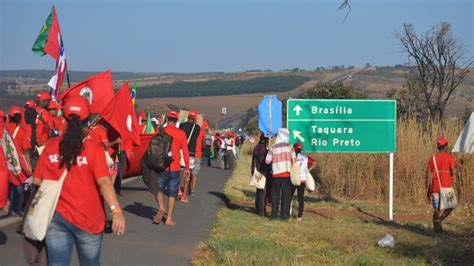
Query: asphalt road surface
[(145, 243)]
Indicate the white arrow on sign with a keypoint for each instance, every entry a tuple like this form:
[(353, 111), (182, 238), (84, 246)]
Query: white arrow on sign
[(297, 135), (297, 109)]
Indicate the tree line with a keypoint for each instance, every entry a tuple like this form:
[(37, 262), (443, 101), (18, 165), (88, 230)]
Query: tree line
[(222, 87)]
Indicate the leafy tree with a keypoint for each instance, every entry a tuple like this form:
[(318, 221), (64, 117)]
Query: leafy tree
[(332, 91)]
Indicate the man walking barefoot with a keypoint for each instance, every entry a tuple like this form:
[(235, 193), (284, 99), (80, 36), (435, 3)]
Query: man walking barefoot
[(168, 180)]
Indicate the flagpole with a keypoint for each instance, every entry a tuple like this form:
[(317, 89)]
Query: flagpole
[(67, 76)]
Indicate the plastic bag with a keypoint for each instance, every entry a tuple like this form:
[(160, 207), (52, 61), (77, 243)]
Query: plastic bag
[(387, 241)]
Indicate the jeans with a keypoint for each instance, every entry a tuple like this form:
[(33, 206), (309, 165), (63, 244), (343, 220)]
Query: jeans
[(168, 183), (301, 188), (281, 185), (61, 237), (237, 152), (16, 198)]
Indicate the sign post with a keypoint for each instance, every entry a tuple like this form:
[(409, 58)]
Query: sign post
[(345, 126)]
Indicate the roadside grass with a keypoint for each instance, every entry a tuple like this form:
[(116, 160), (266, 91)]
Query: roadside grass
[(242, 238)]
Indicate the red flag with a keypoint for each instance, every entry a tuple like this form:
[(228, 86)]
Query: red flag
[(142, 117), (50, 41), (98, 89), (120, 114)]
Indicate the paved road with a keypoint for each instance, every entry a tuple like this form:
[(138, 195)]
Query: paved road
[(145, 243)]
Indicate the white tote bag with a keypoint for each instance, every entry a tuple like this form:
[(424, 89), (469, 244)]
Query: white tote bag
[(42, 208), (258, 180), (447, 197), (295, 174), (310, 184)]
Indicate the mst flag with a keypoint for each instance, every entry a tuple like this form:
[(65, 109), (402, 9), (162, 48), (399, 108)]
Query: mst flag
[(3, 173), (50, 41), (98, 89), (120, 114)]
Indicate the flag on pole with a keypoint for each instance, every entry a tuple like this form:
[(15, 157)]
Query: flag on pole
[(50, 41), (149, 126), (98, 89), (134, 92)]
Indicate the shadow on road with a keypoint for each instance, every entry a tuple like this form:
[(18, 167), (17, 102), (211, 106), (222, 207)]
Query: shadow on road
[(230, 205), (3, 238), (141, 210)]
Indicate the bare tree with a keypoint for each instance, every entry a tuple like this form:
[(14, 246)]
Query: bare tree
[(437, 68), (345, 4)]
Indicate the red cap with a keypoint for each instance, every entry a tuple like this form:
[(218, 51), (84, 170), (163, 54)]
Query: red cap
[(441, 142), (229, 134), (53, 105), (43, 96), (76, 105), (30, 104), (192, 114), (173, 114), (298, 146), (15, 110)]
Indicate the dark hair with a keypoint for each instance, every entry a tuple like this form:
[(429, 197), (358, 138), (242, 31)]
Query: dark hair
[(71, 144), (443, 148), (172, 119), (16, 118)]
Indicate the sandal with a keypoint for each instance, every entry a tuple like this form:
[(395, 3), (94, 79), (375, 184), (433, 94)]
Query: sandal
[(159, 217)]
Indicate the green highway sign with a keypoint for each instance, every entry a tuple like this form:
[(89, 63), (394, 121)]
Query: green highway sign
[(367, 126)]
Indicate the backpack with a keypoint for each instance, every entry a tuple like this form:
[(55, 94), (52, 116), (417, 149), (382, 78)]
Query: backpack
[(158, 155), (208, 140)]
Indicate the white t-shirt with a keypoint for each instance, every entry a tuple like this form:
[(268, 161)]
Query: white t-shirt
[(302, 161)]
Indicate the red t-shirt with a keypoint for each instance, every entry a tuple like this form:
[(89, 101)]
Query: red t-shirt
[(59, 123), (80, 201), (179, 142), (445, 163), (42, 131), (199, 141), (98, 134)]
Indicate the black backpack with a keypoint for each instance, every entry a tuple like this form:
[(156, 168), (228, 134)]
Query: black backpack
[(158, 155)]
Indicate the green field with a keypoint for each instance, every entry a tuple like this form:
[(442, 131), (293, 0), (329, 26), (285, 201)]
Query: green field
[(333, 231)]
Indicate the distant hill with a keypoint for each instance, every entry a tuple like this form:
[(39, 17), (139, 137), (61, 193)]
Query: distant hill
[(18, 85)]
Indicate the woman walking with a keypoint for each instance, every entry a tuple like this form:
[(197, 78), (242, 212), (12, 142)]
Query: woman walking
[(306, 164), (258, 162), (282, 156), (80, 216)]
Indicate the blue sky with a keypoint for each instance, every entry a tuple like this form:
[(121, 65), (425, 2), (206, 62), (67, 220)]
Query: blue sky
[(223, 35)]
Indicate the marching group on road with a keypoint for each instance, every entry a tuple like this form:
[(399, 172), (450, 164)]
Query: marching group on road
[(47, 143)]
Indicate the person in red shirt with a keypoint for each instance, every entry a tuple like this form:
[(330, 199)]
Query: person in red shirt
[(59, 122), (168, 180), (44, 121), (79, 218), (306, 164), (446, 164), (99, 134), (23, 145)]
